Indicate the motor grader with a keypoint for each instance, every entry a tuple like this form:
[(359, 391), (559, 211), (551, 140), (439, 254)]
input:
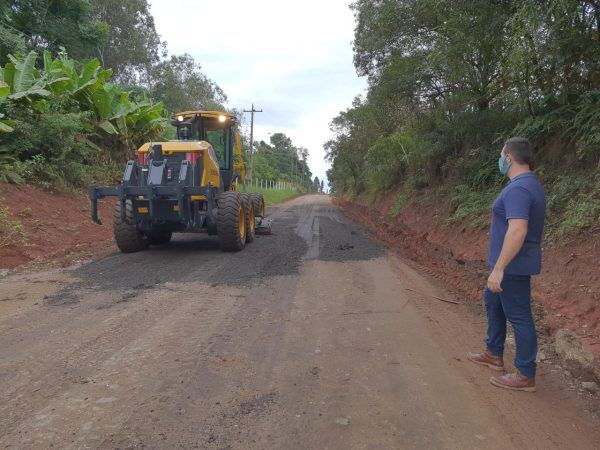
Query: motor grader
[(193, 184)]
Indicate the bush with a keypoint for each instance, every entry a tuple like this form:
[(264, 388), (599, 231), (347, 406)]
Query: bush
[(387, 160), (471, 203), (11, 231), (399, 204), (573, 203)]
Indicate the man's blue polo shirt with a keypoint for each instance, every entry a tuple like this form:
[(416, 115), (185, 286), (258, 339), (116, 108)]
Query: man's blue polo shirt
[(522, 198)]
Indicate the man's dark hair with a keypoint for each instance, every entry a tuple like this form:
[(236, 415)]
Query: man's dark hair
[(520, 149)]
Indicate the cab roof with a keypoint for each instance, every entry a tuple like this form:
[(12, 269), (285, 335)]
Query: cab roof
[(207, 114)]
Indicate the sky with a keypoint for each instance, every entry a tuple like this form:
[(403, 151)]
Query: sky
[(292, 59)]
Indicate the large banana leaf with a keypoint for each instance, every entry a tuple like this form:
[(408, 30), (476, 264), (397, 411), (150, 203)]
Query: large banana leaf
[(89, 75), (4, 125), (23, 77), (8, 74), (108, 127), (103, 102), (4, 90)]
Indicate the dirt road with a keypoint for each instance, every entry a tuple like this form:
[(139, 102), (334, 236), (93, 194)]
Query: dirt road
[(313, 337)]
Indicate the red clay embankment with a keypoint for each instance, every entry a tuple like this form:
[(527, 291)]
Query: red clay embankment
[(56, 226), (567, 291)]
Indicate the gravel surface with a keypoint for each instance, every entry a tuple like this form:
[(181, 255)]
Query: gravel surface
[(312, 337)]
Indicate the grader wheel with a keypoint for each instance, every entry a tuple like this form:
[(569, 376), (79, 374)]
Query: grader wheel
[(258, 201), (249, 211), (128, 238), (231, 221)]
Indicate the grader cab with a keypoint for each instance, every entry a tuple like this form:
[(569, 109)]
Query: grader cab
[(193, 184)]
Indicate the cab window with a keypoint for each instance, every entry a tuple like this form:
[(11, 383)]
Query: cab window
[(220, 140)]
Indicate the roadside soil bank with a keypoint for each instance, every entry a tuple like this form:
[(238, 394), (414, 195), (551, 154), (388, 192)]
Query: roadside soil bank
[(566, 294), (45, 225)]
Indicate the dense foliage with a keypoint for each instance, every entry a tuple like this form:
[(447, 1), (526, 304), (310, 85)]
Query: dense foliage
[(280, 160), (450, 80), (65, 116), (82, 84)]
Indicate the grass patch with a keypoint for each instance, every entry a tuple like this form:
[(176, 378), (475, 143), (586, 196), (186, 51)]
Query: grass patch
[(471, 203), (400, 203), (573, 204), (274, 196)]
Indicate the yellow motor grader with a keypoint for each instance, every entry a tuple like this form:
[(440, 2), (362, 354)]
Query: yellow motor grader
[(192, 184)]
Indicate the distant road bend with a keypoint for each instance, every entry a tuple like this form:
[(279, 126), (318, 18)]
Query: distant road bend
[(313, 337)]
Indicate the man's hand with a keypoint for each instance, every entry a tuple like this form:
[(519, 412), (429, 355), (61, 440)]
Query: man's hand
[(495, 280), (513, 241)]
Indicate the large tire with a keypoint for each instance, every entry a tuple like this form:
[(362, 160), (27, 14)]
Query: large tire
[(231, 221), (128, 238), (258, 201), (250, 223), (161, 238)]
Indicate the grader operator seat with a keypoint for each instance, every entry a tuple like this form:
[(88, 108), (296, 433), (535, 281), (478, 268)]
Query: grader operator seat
[(184, 133)]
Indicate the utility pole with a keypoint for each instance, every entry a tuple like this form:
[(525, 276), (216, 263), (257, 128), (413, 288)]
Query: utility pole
[(251, 111)]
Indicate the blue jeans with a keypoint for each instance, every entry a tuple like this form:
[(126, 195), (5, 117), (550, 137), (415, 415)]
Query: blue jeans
[(514, 304)]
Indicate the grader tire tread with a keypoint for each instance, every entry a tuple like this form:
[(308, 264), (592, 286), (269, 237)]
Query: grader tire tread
[(128, 238), (249, 212), (228, 222), (258, 201)]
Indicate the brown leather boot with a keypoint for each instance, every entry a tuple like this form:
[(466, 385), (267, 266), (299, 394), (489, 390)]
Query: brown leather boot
[(514, 381), (487, 359)]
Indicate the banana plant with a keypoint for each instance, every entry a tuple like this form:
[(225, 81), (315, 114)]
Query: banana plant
[(4, 92), (23, 78), (114, 112)]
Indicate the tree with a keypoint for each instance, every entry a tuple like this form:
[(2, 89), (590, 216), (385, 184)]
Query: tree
[(52, 24), (449, 80), (321, 187), (316, 184), (133, 46), (281, 160), (11, 39), (181, 85), (456, 46)]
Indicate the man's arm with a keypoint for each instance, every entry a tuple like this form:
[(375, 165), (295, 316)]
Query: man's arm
[(513, 241)]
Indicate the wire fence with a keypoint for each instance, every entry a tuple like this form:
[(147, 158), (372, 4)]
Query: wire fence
[(272, 184)]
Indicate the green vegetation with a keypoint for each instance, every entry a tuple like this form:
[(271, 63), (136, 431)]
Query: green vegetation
[(11, 230), (82, 85), (450, 81), (275, 196), (280, 160), (399, 204)]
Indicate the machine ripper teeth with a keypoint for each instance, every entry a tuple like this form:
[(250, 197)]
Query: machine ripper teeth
[(193, 184)]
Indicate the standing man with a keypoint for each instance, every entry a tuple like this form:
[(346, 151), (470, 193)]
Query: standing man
[(514, 255)]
